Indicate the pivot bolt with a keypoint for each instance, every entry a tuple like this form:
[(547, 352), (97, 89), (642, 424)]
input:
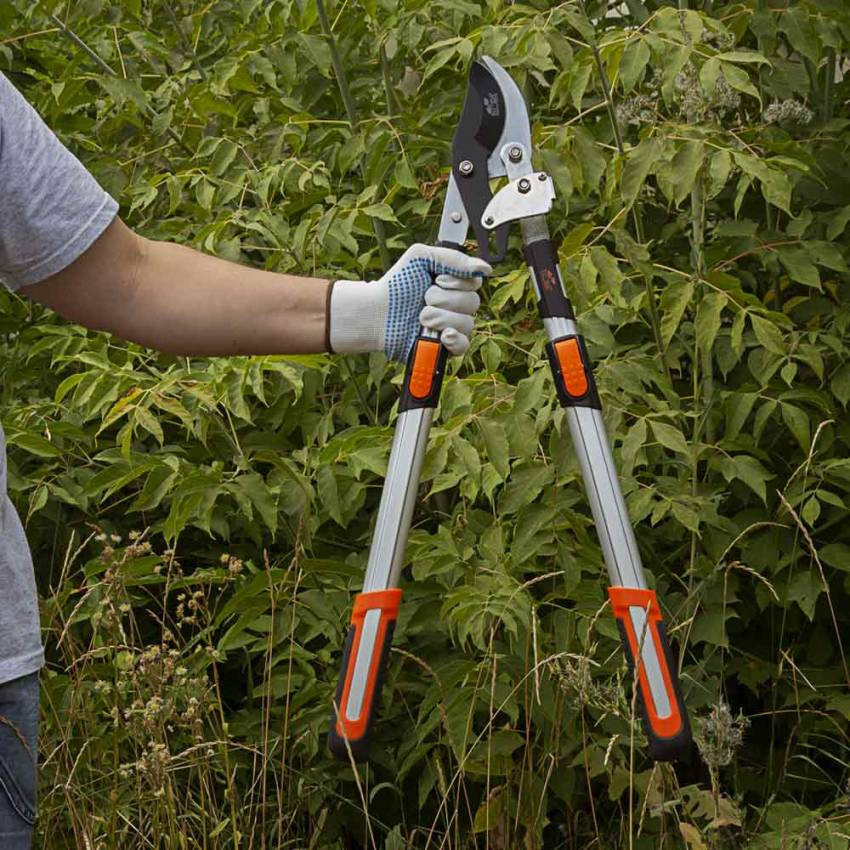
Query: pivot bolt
[(524, 186), (489, 219), (515, 153), (456, 217), (466, 168)]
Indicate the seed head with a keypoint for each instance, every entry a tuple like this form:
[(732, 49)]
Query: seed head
[(789, 111)]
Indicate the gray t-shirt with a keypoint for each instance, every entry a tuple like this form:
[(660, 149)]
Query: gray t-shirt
[(51, 210)]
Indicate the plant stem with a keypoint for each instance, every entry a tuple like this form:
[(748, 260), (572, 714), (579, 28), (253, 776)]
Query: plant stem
[(72, 36), (187, 45), (701, 399), (829, 85), (636, 216), (348, 102), (392, 104), (353, 378)]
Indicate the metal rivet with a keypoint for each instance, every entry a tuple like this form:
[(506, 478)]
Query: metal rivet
[(466, 168), (456, 216), (542, 177), (524, 185), (515, 153), (489, 219)]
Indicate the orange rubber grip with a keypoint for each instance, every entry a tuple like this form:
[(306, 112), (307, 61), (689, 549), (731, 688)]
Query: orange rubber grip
[(423, 368), (669, 732), (572, 367), (355, 730)]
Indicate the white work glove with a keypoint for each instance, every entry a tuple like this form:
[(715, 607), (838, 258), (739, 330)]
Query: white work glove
[(385, 315)]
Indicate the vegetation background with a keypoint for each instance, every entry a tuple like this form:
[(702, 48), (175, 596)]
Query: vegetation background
[(200, 526)]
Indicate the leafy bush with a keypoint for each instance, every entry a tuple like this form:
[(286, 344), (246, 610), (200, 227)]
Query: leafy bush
[(200, 526)]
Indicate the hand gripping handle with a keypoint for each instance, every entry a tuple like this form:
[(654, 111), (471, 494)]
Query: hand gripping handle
[(426, 365), (665, 718)]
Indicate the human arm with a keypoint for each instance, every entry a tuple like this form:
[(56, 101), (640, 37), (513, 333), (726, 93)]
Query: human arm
[(181, 301)]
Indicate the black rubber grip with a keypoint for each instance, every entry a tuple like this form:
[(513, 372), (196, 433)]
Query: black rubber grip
[(542, 259), (338, 745), (677, 747)]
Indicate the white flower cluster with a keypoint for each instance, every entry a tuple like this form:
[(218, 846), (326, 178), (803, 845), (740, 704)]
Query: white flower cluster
[(639, 109), (788, 111), (694, 105)]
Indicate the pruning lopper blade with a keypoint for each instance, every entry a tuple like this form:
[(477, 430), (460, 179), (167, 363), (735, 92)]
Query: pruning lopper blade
[(494, 120)]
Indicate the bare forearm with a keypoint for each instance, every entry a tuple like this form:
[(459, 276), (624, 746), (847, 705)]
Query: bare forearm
[(180, 301), (191, 303)]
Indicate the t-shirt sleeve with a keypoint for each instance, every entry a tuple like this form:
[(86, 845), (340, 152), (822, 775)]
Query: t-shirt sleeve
[(51, 208)]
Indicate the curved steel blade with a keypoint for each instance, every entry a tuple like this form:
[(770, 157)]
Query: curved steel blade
[(494, 114), (516, 127)]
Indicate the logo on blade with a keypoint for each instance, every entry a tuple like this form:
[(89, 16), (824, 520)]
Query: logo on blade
[(491, 104)]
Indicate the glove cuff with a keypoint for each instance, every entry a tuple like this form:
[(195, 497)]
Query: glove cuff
[(357, 316)]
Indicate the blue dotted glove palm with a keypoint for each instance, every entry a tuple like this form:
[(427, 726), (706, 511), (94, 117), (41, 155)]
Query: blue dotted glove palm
[(428, 286)]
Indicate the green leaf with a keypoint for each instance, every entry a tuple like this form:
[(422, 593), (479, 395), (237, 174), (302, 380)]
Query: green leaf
[(382, 211), (810, 511), (674, 302), (798, 424), (708, 75), (639, 162), (748, 469), (710, 627), (738, 409), (768, 334), (749, 56), (670, 437), (149, 422), (576, 238), (496, 445), (223, 158), (633, 442), (838, 223), (524, 487), (686, 165), (395, 840), (795, 23), (123, 90), (804, 588), (255, 488), (708, 319), (800, 267), (329, 493), (34, 444), (719, 168), (581, 23), (635, 59), (739, 79), (318, 51), (836, 555), (489, 813), (840, 384), (775, 184)]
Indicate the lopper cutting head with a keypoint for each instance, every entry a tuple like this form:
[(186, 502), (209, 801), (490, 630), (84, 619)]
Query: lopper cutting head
[(493, 139)]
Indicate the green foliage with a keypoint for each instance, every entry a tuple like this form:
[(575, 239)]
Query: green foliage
[(704, 195)]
